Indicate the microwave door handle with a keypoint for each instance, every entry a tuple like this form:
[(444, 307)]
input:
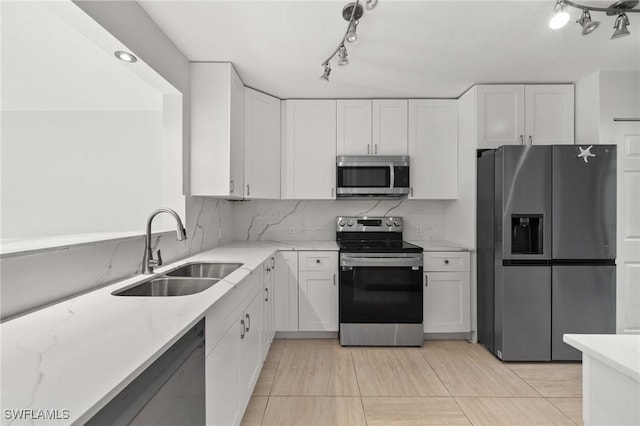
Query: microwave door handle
[(393, 177)]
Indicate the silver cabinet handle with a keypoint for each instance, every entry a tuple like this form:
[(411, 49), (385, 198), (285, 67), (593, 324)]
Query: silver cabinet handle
[(332, 196), (521, 139), (334, 279), (317, 260), (530, 140), (248, 190), (248, 317), (426, 280), (375, 149), (273, 263), (446, 261), (242, 329), (412, 191), (368, 149), (267, 297), (232, 186)]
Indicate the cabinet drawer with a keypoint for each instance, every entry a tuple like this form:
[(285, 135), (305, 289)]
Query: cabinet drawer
[(446, 261), (317, 260)]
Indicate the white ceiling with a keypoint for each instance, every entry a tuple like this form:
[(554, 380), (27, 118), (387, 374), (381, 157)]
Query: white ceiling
[(47, 65), (406, 49)]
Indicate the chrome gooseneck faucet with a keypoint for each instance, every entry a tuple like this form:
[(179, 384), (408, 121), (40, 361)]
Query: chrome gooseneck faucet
[(148, 262)]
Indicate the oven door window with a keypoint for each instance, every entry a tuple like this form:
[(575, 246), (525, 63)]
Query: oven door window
[(364, 177), (381, 295)]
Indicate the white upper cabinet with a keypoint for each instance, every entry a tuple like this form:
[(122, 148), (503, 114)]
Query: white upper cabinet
[(261, 145), (549, 114), (366, 127), (309, 150), (433, 147), (354, 127), (390, 126), (513, 114), (217, 98)]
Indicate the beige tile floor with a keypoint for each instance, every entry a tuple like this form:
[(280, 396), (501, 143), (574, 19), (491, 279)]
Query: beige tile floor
[(318, 382)]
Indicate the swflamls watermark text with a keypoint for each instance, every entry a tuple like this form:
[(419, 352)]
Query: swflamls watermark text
[(36, 414)]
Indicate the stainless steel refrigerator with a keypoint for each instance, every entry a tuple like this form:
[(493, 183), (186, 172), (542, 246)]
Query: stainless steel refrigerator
[(546, 237)]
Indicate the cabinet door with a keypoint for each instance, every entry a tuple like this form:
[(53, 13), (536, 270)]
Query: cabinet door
[(216, 130), (447, 304), (285, 287), (549, 114), (310, 150), (221, 371), (261, 145), (237, 137), (354, 127), (500, 115), (318, 301), (390, 127), (251, 347), (433, 147)]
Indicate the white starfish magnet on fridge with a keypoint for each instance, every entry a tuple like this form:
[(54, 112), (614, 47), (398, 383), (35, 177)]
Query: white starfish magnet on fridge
[(586, 153)]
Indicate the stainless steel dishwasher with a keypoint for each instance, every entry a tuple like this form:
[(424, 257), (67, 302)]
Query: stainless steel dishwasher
[(171, 391)]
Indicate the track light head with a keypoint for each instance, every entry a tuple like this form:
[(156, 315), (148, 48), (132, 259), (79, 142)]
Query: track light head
[(622, 22), (560, 15), (370, 4), (586, 23), (352, 36), (342, 55), (327, 71)]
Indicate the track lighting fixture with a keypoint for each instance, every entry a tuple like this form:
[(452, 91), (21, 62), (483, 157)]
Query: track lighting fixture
[(620, 8), (586, 23), (352, 36), (351, 13), (622, 21), (560, 15), (327, 71), (342, 56)]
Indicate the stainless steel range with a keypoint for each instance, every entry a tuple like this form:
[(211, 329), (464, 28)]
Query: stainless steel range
[(380, 300)]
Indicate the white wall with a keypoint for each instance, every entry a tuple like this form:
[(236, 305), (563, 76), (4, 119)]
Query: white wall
[(34, 280), (315, 220), (601, 97), (587, 110), (72, 172), (619, 98)]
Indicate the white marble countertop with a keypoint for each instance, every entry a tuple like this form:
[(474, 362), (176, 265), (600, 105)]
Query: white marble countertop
[(438, 245), (619, 351), (78, 354)]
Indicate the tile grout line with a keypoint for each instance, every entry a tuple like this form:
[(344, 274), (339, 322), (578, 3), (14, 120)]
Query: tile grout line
[(558, 408), (445, 386), (528, 384), (355, 372), (264, 412)]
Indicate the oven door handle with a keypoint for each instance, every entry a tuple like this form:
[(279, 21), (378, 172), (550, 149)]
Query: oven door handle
[(393, 262)]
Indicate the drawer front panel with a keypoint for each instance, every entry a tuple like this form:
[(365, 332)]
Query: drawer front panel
[(318, 260), (446, 261)]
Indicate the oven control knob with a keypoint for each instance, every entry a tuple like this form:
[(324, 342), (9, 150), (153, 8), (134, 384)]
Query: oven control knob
[(341, 222), (396, 223), (389, 222), (349, 222)]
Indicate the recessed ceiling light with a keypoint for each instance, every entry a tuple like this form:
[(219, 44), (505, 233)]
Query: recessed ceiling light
[(125, 56)]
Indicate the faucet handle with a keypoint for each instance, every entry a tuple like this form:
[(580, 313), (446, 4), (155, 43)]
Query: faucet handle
[(159, 259)]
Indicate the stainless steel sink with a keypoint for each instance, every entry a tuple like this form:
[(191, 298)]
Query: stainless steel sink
[(167, 286), (205, 270)]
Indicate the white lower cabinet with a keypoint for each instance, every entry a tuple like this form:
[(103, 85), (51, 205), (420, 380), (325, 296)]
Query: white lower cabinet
[(447, 292), (318, 293), (268, 331), (285, 289), (234, 364)]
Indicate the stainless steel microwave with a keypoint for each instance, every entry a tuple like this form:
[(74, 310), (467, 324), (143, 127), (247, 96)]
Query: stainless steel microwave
[(372, 175)]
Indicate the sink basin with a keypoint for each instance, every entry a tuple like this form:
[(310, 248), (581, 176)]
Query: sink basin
[(205, 270), (167, 286)]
